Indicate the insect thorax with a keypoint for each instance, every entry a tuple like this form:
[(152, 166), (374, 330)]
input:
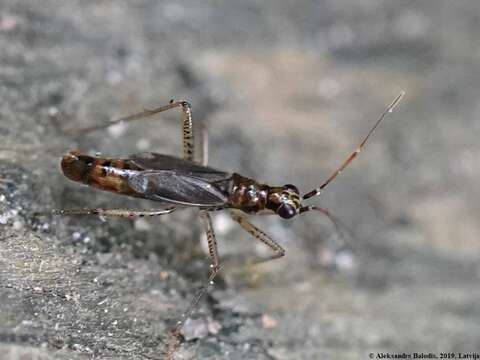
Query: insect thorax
[(247, 195)]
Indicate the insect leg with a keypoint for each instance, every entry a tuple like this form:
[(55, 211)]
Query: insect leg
[(174, 335), (260, 235), (127, 213), (214, 269), (188, 141), (212, 241), (188, 144)]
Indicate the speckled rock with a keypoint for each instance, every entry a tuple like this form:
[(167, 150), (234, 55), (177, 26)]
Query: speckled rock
[(286, 91)]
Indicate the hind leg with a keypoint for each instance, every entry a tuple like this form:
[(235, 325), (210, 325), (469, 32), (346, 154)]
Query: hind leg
[(187, 128)]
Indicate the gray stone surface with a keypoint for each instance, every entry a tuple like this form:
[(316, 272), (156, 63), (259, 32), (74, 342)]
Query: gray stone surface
[(286, 90)]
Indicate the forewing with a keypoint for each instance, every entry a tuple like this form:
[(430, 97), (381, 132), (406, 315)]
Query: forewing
[(153, 161), (175, 187)]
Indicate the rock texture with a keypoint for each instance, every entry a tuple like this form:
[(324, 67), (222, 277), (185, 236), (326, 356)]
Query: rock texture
[(286, 90)]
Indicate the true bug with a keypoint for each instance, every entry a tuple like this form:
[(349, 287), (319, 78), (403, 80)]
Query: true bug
[(183, 182)]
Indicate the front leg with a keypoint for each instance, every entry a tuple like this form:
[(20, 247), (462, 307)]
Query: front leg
[(260, 235)]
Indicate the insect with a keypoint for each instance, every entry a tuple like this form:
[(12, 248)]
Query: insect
[(184, 182)]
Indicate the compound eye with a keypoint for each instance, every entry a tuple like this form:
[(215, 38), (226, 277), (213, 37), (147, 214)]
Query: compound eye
[(286, 211), (291, 187)]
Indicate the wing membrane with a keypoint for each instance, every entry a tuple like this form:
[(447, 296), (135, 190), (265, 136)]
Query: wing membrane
[(154, 161), (167, 178)]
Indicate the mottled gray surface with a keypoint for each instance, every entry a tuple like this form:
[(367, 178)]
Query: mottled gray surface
[(286, 90)]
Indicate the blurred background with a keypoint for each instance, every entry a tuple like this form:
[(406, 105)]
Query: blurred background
[(286, 91)]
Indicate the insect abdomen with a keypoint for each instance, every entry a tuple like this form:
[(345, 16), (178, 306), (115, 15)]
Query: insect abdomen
[(105, 174)]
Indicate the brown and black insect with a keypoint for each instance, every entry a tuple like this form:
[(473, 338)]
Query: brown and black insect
[(183, 182)]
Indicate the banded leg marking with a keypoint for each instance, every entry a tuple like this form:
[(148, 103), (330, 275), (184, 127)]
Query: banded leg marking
[(214, 269), (174, 335), (188, 139), (127, 213), (212, 241)]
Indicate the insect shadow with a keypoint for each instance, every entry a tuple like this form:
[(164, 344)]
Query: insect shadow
[(184, 182)]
